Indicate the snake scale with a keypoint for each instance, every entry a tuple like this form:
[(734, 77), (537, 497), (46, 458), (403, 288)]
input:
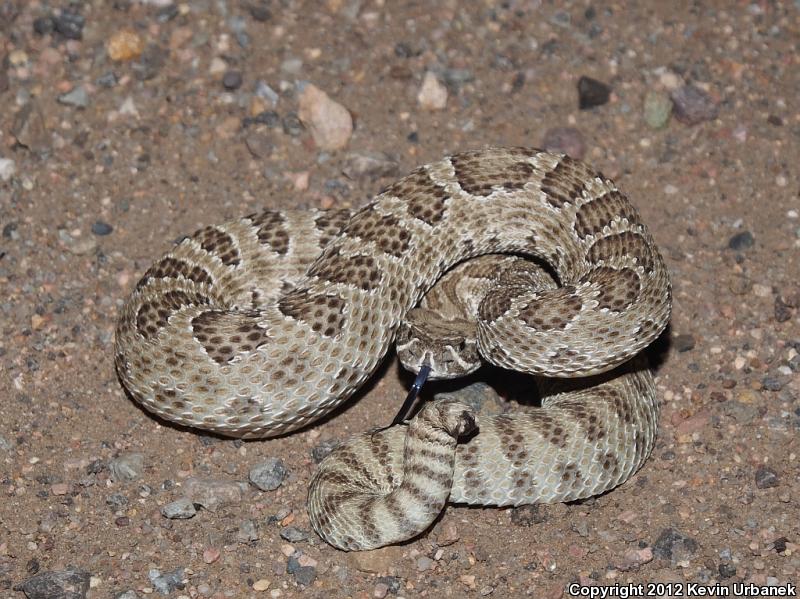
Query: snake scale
[(259, 326)]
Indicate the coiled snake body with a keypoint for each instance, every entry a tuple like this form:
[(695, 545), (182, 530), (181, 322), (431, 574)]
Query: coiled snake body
[(261, 325)]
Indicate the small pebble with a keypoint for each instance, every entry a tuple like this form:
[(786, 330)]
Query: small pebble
[(7, 169), (292, 125), (741, 241), (29, 128), (265, 92), (232, 80), (424, 563), (292, 66), (634, 558), (304, 575), (44, 25), (432, 94), (293, 535), (691, 105), (70, 25), (674, 546), (247, 533), (127, 467), (727, 570), (259, 144), (592, 92), (77, 97), (268, 475), (372, 165), (101, 228), (324, 449), (259, 10), (211, 493), (210, 555), (167, 582), (457, 77), (262, 584), (330, 123), (125, 45), (180, 509), (772, 383), (381, 590), (447, 535), (766, 478), (657, 109), (779, 544)]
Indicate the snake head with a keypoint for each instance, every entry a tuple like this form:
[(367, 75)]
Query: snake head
[(449, 347)]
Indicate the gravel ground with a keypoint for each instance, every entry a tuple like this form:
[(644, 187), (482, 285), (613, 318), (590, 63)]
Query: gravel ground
[(128, 124)]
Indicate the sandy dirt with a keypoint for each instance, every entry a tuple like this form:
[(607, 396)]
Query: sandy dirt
[(125, 125)]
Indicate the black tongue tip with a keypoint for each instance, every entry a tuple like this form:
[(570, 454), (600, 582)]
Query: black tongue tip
[(422, 376)]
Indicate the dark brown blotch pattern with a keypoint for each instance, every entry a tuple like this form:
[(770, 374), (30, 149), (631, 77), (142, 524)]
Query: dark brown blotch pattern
[(219, 243), (498, 302), (360, 270), (549, 427), (271, 230), (555, 310), (425, 199), (173, 268), (619, 287), (620, 245), (482, 173), (599, 213), (324, 313), (512, 440), (154, 314), (330, 223), (571, 476), (385, 231), (591, 423), (224, 335), (566, 182)]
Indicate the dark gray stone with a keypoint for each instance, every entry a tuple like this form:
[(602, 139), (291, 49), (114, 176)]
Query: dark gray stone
[(592, 92), (673, 545), (268, 475), (232, 80), (741, 241), (101, 228), (70, 25), (57, 584), (766, 478)]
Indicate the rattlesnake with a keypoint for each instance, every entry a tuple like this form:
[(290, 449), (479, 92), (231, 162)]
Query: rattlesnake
[(259, 326)]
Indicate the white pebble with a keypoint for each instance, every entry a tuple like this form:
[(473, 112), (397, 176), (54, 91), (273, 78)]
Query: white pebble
[(762, 290), (7, 168), (432, 95), (670, 80)]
